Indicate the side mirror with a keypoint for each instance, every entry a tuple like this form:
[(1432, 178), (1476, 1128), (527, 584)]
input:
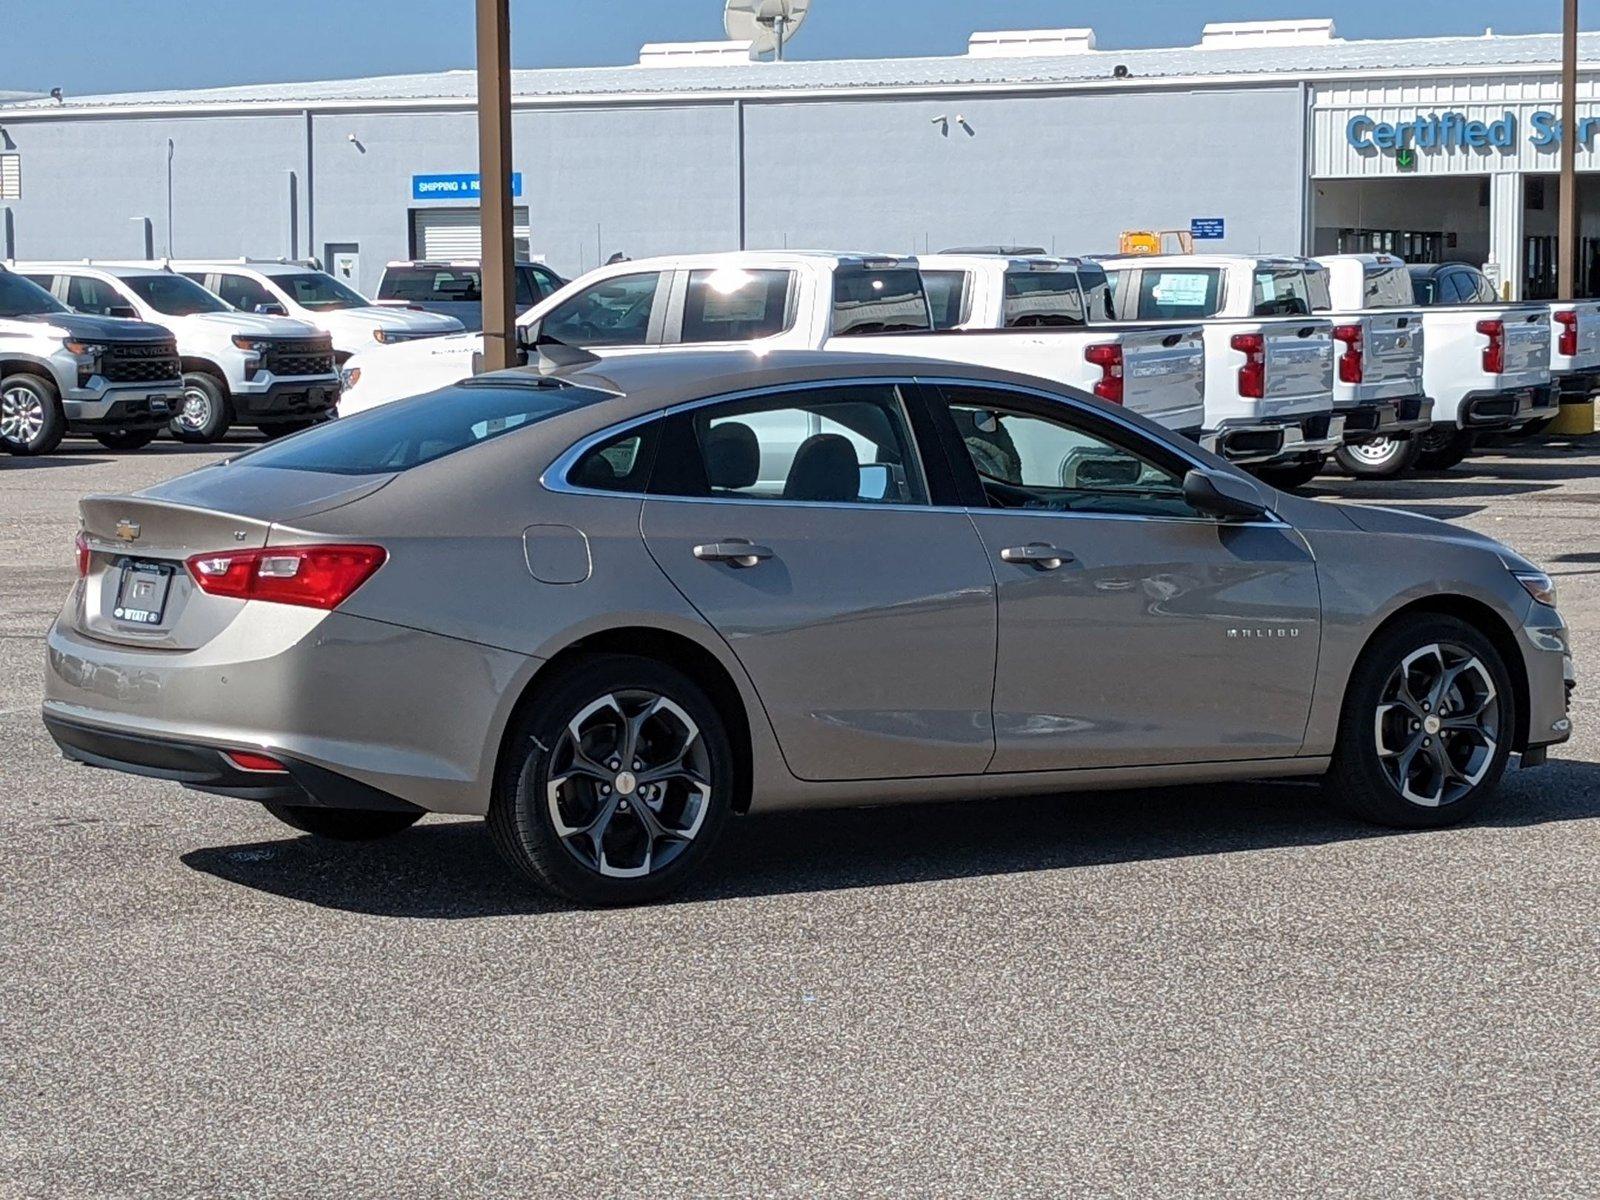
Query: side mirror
[(272, 310), (126, 311), (528, 335), (1219, 494)]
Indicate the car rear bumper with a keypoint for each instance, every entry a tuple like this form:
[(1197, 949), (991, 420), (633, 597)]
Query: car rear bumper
[(1508, 408), (1285, 439), (1387, 419)]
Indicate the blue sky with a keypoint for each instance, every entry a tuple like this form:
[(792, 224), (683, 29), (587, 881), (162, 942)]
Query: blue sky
[(197, 43)]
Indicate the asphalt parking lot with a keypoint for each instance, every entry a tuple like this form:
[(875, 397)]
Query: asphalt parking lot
[(1204, 992)]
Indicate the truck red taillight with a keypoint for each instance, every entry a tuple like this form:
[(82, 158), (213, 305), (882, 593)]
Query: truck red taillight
[(322, 576), (1253, 375), (1494, 354), (1108, 357), (1567, 343), (1350, 364), (81, 544)]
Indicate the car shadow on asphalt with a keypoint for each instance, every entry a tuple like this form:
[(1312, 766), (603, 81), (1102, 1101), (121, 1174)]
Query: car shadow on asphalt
[(448, 869)]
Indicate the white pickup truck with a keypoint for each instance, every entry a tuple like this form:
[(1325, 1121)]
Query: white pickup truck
[(1487, 362), (1574, 354), (238, 368), (62, 373), (283, 288), (1378, 377), (784, 300), (1269, 359)]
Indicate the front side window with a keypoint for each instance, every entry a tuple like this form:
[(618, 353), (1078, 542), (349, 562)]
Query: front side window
[(886, 301), (840, 445), (615, 312), (1178, 293), (245, 293), (1281, 293), (1028, 461), (173, 294), (1388, 287), (947, 297), (729, 304), (1037, 298), (21, 297), (94, 296)]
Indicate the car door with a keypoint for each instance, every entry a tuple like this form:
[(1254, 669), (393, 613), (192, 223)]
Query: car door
[(1132, 629), (799, 523), (618, 315)]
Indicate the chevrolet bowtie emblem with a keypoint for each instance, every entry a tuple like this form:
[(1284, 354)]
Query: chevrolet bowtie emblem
[(127, 530)]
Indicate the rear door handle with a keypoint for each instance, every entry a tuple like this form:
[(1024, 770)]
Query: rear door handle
[(736, 552), (1036, 554)]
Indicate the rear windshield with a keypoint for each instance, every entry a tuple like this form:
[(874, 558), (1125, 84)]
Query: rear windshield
[(21, 297), (174, 295), (947, 297), (888, 301), (1387, 287), (1168, 293), (1281, 293), (411, 432), (1034, 298), (431, 283)]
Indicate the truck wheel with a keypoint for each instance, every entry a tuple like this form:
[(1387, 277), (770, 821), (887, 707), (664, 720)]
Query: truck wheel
[(1427, 725), (1286, 478), (1380, 458), (1442, 447), (31, 420), (343, 824), (126, 439), (205, 415)]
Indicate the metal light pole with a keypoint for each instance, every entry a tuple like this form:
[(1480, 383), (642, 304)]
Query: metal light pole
[(494, 182), (1567, 229)]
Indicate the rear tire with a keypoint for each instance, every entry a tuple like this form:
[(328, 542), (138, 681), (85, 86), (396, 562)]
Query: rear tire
[(1443, 447), (614, 786), (31, 419), (205, 415), (1380, 458), (343, 824), (1412, 753), (1292, 476), (126, 439)]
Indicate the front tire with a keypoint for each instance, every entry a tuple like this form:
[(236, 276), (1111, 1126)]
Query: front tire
[(205, 415), (1379, 458), (1427, 727), (615, 784), (1291, 476), (1442, 447), (126, 439), (31, 419), (343, 824)]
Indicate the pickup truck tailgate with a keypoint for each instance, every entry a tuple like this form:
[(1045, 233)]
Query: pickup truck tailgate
[(1299, 366), (1164, 374), (1527, 347)]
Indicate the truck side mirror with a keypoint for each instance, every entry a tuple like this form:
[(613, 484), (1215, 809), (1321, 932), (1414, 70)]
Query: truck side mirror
[(273, 309), (1222, 494), (126, 311)]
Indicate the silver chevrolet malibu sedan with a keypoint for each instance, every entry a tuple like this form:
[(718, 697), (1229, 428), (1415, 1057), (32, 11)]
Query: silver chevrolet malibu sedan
[(608, 605)]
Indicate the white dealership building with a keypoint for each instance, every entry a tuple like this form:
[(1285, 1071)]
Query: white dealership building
[(1262, 136)]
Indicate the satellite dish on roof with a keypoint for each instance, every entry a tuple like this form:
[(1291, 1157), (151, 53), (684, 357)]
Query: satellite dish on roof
[(767, 23)]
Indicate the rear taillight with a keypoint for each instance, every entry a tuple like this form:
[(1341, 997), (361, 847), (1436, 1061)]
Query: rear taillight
[(81, 544), (1567, 343), (1494, 354), (1108, 357), (310, 576), (1253, 375), (1350, 361)]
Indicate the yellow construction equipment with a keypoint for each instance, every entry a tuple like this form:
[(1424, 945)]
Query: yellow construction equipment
[(1156, 241)]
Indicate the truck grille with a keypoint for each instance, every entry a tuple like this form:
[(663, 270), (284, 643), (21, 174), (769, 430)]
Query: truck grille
[(140, 362), (301, 356)]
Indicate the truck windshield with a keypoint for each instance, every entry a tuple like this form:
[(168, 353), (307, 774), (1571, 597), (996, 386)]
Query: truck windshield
[(1179, 293), (1281, 292), (174, 295), (1036, 298), (887, 301), (947, 297), (319, 292), (21, 297), (1387, 287)]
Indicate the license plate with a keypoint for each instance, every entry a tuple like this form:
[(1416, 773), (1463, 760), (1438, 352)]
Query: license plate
[(142, 592)]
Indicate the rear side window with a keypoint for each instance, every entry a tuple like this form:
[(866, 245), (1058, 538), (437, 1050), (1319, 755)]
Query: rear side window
[(621, 464), (245, 293), (729, 304), (421, 429), (1099, 300), (1173, 293), (1387, 287), (1281, 293), (887, 301), (1038, 298), (1482, 290), (947, 297)]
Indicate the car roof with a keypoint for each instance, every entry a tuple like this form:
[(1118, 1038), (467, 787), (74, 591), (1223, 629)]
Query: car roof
[(643, 383)]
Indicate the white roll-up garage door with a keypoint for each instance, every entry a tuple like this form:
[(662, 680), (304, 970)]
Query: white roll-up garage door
[(453, 233)]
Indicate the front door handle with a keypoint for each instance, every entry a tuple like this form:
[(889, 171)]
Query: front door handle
[(736, 552), (1036, 554)]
